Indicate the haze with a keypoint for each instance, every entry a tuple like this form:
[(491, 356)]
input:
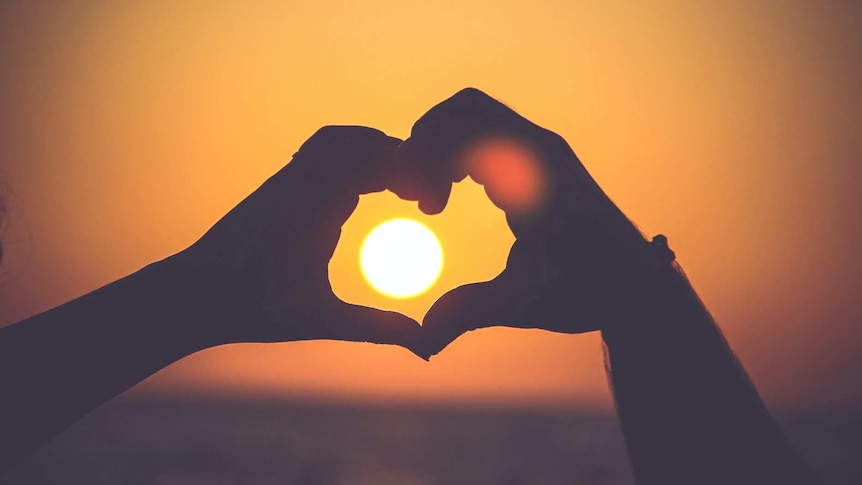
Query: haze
[(128, 130)]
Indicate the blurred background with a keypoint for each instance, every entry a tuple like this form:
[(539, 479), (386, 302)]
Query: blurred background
[(128, 128)]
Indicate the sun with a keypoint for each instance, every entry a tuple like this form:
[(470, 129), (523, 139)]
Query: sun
[(401, 258)]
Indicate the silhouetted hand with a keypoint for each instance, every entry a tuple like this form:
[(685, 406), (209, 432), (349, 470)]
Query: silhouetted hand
[(576, 261), (265, 264)]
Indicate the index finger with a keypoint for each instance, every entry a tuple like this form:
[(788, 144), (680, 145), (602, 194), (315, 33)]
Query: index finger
[(350, 159), (523, 167), (427, 160)]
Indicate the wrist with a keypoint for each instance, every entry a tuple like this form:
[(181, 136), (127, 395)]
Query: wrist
[(193, 304), (662, 305)]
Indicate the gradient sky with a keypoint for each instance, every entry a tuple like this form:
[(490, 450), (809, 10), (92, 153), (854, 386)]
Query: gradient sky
[(127, 130)]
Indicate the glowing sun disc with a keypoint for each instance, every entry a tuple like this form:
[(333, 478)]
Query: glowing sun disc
[(401, 258)]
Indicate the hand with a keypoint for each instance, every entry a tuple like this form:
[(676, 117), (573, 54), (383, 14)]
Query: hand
[(577, 262), (264, 265)]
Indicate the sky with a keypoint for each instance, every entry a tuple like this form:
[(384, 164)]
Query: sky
[(127, 129)]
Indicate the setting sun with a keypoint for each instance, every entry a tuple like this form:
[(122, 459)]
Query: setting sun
[(130, 128), (401, 258)]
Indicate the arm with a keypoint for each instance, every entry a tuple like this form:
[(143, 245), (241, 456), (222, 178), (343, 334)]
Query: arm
[(57, 366), (259, 275), (688, 411)]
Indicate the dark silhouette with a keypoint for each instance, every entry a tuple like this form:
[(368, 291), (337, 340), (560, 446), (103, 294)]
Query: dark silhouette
[(259, 275), (688, 411)]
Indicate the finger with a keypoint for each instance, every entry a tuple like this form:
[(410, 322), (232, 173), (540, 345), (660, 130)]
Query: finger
[(356, 323), (422, 178), (330, 171), (472, 104), (427, 161), (352, 160), (522, 166), (469, 307)]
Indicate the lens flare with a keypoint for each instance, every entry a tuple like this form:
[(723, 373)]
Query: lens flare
[(510, 172)]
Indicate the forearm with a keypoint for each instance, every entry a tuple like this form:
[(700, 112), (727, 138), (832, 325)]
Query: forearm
[(59, 365), (688, 411)]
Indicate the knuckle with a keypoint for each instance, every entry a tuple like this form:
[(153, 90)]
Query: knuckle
[(470, 93), (330, 133), (476, 100), (326, 132), (343, 141)]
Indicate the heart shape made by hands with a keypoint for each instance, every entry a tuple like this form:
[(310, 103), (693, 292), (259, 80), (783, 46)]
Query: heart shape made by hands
[(576, 257)]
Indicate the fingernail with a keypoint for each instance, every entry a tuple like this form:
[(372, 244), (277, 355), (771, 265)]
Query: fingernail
[(430, 206)]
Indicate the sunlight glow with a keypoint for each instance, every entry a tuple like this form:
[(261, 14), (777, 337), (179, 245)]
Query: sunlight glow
[(401, 258), (510, 171)]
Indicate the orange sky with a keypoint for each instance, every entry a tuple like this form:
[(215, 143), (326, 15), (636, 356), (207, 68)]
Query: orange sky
[(126, 131)]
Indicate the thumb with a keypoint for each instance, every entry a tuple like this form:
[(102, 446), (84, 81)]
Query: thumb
[(468, 307), (356, 323)]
